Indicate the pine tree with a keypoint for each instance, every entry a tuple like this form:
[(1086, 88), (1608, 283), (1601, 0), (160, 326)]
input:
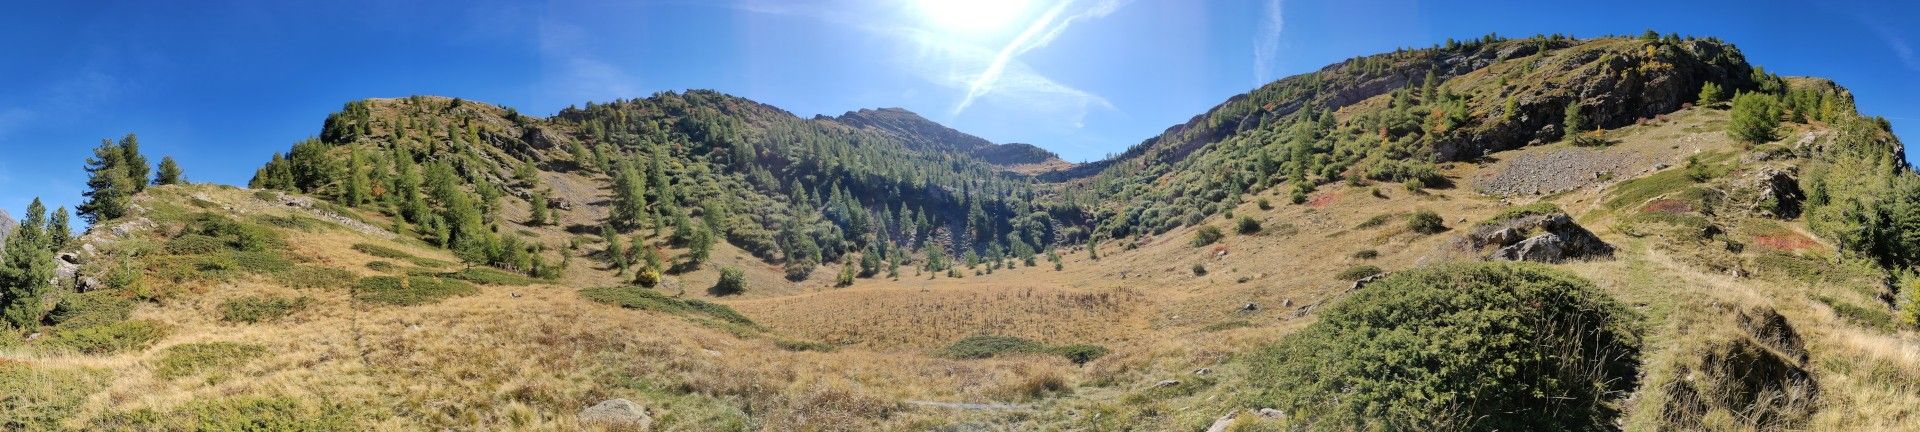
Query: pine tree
[(701, 245), (26, 271), (539, 204), (136, 163), (356, 188), (629, 198), (1712, 93), (169, 173), (108, 188), (845, 278), (1575, 123), (59, 230)]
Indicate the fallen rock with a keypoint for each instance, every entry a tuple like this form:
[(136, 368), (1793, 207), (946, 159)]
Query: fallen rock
[(1561, 240), (1167, 383), (619, 413)]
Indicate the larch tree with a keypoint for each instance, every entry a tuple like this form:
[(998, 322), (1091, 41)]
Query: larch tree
[(169, 173)]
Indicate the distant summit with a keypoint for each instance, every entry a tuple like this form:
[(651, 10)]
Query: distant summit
[(922, 134)]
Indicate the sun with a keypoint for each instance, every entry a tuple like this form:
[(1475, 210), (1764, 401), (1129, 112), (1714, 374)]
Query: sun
[(973, 17)]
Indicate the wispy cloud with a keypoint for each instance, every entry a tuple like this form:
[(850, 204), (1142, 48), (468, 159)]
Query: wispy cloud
[(1266, 49), (1044, 29), (1894, 42)]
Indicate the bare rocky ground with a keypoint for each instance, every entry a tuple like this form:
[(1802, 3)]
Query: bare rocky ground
[(1634, 151)]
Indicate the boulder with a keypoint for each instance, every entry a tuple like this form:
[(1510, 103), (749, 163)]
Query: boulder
[(1779, 194), (1560, 240), (617, 413)]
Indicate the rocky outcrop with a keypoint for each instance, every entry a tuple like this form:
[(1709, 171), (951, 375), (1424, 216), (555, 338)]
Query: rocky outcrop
[(6, 228), (1615, 83), (1776, 193), (1547, 238)]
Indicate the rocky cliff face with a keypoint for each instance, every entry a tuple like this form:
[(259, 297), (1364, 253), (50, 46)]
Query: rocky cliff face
[(6, 228)]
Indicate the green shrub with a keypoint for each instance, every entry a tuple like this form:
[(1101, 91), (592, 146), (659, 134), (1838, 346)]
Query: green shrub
[(1206, 235), (312, 277), (194, 358), (1426, 222), (259, 261), (979, 347), (90, 309), (1467, 346), (108, 338), (381, 266), (732, 282), (1376, 220), (256, 309), (633, 297), (1366, 254), (228, 233), (1081, 353), (379, 251), (195, 244), (489, 276), (1247, 226), (797, 346), (245, 413), (1199, 269), (411, 290), (1359, 272)]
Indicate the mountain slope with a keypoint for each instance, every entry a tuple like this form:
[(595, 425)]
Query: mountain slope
[(926, 135), (1749, 283)]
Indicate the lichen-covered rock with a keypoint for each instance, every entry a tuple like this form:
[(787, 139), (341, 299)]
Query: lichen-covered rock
[(618, 414), (1559, 240)]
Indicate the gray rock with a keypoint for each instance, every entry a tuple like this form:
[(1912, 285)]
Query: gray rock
[(1564, 240), (1167, 383), (619, 413), (6, 228)]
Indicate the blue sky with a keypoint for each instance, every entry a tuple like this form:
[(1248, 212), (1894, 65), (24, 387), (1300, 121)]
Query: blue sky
[(222, 85)]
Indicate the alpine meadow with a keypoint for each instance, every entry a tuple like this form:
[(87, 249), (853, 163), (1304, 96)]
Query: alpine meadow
[(1596, 232)]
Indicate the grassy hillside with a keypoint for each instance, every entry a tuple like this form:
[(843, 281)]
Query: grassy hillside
[(1310, 256)]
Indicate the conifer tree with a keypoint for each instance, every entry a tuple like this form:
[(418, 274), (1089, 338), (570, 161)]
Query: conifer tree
[(137, 168), (59, 230), (1575, 123), (355, 192), (539, 204), (701, 245), (26, 271), (169, 173), (108, 185), (629, 198)]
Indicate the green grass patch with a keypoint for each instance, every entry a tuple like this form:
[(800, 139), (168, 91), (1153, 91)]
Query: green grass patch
[(800, 345), (258, 309), (38, 399), (195, 358), (411, 290), (1517, 212), (987, 346), (489, 276), (260, 261), (1871, 317), (107, 338), (244, 413), (1359, 272), (294, 222), (314, 277), (1376, 220), (381, 266), (90, 309), (1634, 192), (381, 251), (1226, 325), (633, 297)]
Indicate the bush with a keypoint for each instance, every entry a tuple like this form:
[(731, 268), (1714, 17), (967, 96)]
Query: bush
[(979, 347), (1359, 272), (411, 290), (257, 309), (1469, 346), (41, 398), (633, 297), (259, 261), (1426, 222), (194, 358), (311, 277), (1206, 235), (1712, 93), (381, 251), (732, 282), (1247, 226), (1199, 269), (1081, 353), (108, 338), (1755, 116), (1366, 254), (90, 309), (380, 266)]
